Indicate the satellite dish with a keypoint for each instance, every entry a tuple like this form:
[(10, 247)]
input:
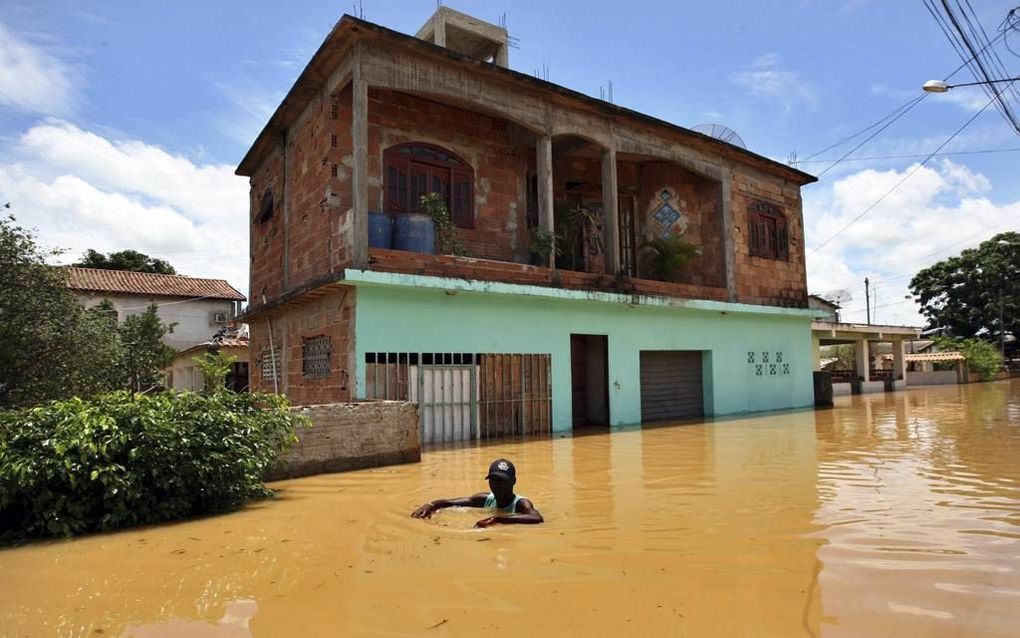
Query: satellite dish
[(720, 132), (837, 297)]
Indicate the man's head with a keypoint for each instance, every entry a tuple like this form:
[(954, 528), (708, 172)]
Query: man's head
[(502, 476)]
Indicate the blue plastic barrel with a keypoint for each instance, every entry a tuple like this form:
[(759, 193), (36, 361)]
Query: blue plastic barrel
[(380, 230), (415, 232)]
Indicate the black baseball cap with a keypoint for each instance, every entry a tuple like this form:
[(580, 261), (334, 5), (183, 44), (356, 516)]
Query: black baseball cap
[(502, 468)]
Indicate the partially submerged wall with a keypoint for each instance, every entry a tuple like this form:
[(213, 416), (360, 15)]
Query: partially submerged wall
[(352, 436)]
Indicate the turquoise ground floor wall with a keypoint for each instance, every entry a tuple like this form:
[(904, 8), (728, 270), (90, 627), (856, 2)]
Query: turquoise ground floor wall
[(753, 359)]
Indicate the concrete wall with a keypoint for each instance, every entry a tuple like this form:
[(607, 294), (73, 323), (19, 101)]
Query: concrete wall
[(194, 319), (185, 375), (413, 318), (942, 377), (351, 436)]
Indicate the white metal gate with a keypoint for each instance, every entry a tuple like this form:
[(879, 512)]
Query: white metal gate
[(447, 398)]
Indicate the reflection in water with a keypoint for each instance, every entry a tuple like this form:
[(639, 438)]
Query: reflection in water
[(888, 515)]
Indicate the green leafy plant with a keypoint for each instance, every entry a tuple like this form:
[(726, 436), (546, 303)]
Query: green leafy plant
[(543, 244), (982, 357), (576, 225), (215, 367), (78, 466), (668, 256), (448, 241)]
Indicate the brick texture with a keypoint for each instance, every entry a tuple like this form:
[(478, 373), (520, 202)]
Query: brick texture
[(351, 436), (331, 315)]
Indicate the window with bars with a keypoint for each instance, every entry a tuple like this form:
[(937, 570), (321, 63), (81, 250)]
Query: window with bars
[(413, 170), (769, 235), (270, 364), (315, 357)]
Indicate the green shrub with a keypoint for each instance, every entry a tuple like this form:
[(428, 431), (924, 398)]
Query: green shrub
[(121, 459)]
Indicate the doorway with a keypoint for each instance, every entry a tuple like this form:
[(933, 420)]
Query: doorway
[(589, 379)]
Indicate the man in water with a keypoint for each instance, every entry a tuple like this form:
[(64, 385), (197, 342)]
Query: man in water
[(513, 509)]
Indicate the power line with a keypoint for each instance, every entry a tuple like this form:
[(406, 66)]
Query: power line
[(896, 157), (907, 176), (909, 104), (914, 102)]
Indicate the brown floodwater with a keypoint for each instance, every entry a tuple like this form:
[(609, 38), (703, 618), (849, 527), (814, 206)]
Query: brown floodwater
[(890, 515)]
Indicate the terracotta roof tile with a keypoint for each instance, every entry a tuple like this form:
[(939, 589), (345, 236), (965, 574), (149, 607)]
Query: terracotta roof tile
[(143, 283)]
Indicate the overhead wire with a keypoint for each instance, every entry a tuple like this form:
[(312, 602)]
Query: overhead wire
[(897, 157), (906, 177)]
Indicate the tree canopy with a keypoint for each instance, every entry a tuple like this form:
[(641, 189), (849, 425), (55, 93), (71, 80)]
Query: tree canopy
[(51, 347), (964, 293), (125, 260)]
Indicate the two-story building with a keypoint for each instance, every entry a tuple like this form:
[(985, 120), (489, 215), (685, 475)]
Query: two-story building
[(349, 301)]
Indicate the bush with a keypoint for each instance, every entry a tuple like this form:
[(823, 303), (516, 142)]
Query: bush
[(77, 466), (982, 357)]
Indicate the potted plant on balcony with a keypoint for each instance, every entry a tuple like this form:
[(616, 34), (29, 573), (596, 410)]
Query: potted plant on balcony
[(541, 246), (447, 241), (666, 257), (577, 226)]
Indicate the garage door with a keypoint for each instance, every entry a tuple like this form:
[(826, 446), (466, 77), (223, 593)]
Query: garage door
[(671, 385)]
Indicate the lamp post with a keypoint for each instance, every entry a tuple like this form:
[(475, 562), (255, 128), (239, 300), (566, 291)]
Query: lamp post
[(938, 86)]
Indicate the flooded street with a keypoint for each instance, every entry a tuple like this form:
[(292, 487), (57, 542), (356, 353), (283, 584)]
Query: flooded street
[(890, 515)]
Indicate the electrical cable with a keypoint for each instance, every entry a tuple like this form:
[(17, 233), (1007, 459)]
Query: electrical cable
[(908, 175)]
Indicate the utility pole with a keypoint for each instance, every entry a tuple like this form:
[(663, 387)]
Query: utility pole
[(867, 298), (1002, 330)]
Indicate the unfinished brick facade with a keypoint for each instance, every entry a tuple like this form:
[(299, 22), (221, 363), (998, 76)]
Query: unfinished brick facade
[(531, 147)]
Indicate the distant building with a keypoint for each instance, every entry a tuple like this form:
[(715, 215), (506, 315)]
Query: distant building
[(183, 374), (199, 307)]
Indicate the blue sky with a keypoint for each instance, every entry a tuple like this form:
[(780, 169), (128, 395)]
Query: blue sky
[(121, 122)]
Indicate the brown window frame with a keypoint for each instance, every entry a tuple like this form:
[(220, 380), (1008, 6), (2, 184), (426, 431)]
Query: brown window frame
[(768, 232), (413, 169)]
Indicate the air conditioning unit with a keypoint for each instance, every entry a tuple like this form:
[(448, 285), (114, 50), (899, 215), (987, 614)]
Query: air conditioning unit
[(220, 317)]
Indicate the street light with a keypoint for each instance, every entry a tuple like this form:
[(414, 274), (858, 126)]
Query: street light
[(938, 86)]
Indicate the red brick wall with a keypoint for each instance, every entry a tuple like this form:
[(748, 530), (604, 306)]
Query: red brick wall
[(484, 142), (768, 281), (331, 315), (266, 238), (316, 236)]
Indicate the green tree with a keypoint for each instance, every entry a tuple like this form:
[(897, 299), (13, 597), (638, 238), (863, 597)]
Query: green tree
[(970, 292), (215, 367), (982, 357), (125, 260), (41, 340), (145, 355)]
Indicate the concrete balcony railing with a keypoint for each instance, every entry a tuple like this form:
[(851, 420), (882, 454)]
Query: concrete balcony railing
[(450, 266)]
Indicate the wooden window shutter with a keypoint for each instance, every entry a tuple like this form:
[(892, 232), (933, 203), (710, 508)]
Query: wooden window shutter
[(462, 197), (782, 239), (396, 185)]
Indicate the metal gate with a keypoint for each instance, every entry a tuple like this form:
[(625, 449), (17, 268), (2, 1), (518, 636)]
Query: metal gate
[(465, 397), (671, 385), (447, 399)]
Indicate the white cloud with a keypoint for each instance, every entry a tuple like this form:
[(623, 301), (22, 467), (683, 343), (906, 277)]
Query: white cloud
[(765, 79), (32, 78), (82, 190), (252, 109), (935, 214)]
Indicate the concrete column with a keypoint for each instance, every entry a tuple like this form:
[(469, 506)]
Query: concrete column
[(611, 216), (898, 368), (439, 35), (729, 237), (862, 360), (816, 352), (359, 131), (503, 56), (546, 218)]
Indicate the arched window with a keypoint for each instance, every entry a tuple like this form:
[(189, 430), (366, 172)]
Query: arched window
[(413, 170)]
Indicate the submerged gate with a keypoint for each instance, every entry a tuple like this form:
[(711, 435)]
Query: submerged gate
[(465, 397)]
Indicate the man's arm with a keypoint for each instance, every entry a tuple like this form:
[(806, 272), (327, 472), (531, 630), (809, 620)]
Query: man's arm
[(426, 510), (527, 515)]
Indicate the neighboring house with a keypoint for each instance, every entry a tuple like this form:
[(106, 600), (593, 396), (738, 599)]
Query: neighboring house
[(199, 307), (184, 374), (347, 303), (827, 310)]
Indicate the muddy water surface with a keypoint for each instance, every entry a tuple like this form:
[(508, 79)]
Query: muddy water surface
[(891, 515)]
